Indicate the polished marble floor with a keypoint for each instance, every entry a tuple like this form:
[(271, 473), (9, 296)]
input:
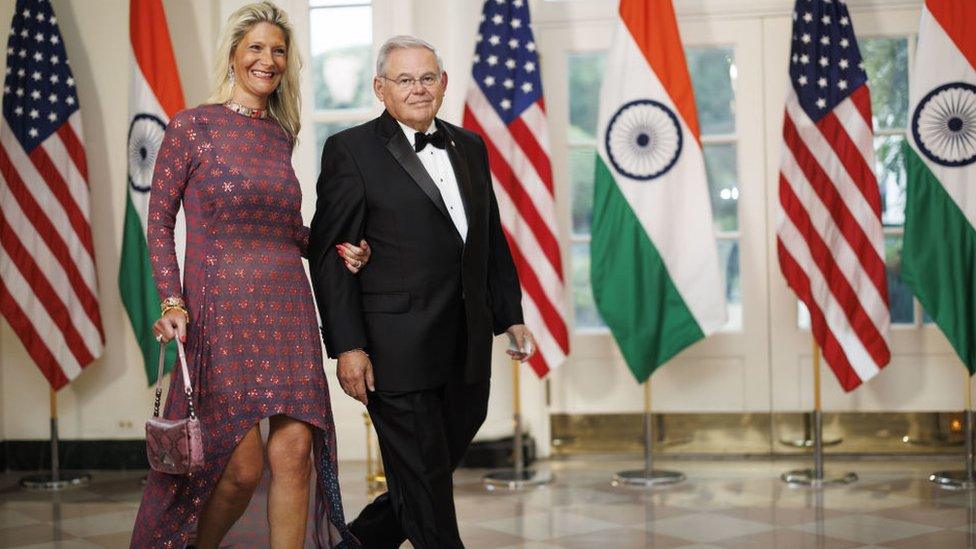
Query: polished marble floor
[(722, 504)]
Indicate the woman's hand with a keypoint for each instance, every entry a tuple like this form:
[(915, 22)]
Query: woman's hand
[(170, 325), (355, 257)]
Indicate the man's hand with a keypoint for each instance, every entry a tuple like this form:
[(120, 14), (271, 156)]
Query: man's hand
[(523, 340), (355, 373)]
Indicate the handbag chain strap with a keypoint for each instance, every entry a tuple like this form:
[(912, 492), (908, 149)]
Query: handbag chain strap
[(187, 385)]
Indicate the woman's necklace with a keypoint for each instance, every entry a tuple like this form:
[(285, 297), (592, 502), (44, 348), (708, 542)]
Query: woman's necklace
[(246, 111)]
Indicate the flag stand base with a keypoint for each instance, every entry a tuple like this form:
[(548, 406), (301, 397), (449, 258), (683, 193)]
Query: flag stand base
[(814, 477), (808, 477), (56, 480), (964, 479), (48, 482), (518, 477), (647, 479), (954, 480), (809, 442), (515, 480)]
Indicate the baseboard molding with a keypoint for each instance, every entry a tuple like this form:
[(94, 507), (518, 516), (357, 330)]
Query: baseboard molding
[(35, 455), (686, 435)]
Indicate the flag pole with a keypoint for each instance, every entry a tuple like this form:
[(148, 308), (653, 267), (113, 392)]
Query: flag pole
[(518, 477), (375, 475), (966, 479), (815, 477), (55, 460), (55, 481), (647, 477), (818, 473), (648, 431)]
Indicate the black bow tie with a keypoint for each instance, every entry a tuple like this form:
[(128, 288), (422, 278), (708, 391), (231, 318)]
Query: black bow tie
[(437, 139)]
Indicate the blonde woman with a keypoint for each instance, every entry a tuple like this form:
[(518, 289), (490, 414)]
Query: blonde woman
[(244, 309)]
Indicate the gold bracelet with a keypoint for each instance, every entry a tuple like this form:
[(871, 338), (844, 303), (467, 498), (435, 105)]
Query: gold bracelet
[(186, 314), (172, 302)]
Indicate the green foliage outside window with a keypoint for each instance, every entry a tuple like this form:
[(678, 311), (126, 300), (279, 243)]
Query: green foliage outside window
[(711, 70), (585, 76), (886, 62)]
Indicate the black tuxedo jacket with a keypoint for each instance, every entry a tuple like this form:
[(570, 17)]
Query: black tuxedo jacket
[(428, 303)]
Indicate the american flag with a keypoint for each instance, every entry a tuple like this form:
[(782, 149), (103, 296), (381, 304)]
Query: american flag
[(48, 290), (505, 106), (830, 239)]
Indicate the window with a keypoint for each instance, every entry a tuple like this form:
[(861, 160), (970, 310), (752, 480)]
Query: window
[(713, 75), (886, 62), (341, 65), (585, 75)]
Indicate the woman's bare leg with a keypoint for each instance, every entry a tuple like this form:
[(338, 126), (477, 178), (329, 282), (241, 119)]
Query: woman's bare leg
[(233, 491), (289, 458)]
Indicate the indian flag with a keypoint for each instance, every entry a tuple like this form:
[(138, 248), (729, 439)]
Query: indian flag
[(939, 256), (154, 96), (654, 262)]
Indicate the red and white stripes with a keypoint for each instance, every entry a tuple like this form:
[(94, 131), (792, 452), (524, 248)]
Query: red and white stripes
[(518, 154), (48, 289), (830, 238)]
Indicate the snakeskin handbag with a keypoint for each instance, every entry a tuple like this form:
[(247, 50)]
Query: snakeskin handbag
[(174, 446)]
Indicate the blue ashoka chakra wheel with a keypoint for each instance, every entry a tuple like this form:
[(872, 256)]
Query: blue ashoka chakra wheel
[(944, 124), (643, 139), (145, 136)]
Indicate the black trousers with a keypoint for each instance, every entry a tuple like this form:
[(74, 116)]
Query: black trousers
[(423, 435)]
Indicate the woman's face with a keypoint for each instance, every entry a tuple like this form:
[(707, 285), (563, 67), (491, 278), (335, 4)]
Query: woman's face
[(259, 62)]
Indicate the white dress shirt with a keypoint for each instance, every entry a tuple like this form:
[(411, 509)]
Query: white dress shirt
[(438, 166)]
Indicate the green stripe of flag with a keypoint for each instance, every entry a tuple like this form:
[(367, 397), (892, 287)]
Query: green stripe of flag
[(139, 293), (631, 285), (939, 257)]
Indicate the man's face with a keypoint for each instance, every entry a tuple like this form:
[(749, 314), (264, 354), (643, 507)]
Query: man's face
[(415, 104)]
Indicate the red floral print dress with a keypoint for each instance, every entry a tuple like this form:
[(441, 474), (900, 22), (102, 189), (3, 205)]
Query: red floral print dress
[(252, 344)]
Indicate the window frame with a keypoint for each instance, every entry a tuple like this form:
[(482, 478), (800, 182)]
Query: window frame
[(352, 115), (390, 17)]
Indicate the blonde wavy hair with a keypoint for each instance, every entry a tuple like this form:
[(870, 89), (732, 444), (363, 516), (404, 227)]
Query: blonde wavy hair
[(284, 105)]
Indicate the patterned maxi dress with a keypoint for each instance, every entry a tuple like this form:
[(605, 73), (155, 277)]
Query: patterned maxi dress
[(252, 344)]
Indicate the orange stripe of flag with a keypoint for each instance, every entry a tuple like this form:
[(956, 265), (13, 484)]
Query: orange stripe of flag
[(154, 53), (957, 18), (654, 28)]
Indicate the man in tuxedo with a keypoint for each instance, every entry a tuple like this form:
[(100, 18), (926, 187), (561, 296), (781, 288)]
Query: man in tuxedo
[(413, 331)]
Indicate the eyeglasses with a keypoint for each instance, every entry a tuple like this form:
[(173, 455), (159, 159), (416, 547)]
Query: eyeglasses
[(406, 82)]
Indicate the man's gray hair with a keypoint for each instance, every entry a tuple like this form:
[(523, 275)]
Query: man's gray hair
[(403, 42)]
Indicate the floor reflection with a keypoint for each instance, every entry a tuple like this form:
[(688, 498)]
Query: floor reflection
[(722, 504)]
